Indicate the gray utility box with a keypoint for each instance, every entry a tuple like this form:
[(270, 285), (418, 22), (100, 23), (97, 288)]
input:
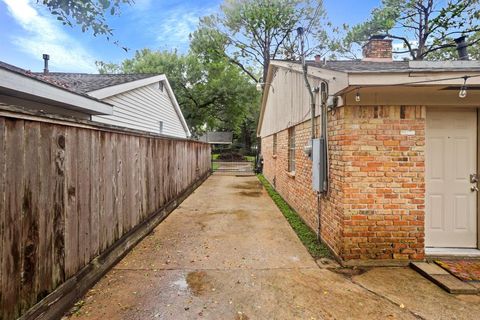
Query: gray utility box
[(319, 165)]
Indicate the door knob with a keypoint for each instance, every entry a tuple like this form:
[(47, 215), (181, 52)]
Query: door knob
[(474, 189)]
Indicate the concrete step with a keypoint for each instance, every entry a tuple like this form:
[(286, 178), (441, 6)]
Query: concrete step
[(443, 278)]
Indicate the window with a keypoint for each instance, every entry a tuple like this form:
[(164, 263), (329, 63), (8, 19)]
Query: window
[(160, 126), (291, 149), (274, 144)]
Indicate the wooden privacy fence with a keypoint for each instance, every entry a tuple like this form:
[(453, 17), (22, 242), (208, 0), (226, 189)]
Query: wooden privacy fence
[(70, 190)]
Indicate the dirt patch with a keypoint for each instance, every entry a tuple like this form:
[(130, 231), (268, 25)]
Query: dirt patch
[(254, 194), (199, 283), (249, 185), (202, 225), (241, 316)]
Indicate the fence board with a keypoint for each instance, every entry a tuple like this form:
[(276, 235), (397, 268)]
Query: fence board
[(109, 176), (2, 203), (12, 236), (73, 192), (72, 263), (59, 191), (45, 225), (94, 195), (83, 191), (30, 221)]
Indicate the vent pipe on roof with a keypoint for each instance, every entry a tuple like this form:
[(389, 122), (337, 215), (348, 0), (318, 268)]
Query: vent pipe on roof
[(462, 48), (46, 57)]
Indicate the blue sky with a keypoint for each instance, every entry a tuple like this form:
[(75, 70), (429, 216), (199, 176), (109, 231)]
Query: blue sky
[(27, 30)]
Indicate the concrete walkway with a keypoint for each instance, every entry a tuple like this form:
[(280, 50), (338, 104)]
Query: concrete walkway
[(228, 253)]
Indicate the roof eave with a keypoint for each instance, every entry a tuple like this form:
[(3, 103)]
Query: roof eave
[(43, 92)]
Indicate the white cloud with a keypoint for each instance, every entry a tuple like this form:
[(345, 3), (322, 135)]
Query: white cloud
[(176, 25), (44, 35)]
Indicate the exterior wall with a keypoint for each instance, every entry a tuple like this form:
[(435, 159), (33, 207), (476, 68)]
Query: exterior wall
[(384, 155), (142, 109), (288, 101), (374, 208), (296, 188)]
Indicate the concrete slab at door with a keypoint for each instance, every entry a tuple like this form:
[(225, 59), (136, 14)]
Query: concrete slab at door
[(451, 216)]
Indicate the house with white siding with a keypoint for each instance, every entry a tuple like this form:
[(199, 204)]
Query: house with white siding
[(143, 102), (140, 101)]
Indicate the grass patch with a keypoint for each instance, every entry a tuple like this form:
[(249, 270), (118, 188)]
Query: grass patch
[(215, 156), (250, 158), (215, 166), (309, 239)]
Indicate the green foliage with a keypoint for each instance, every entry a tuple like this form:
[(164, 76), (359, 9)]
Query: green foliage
[(249, 33), (423, 26), (450, 53), (305, 234), (88, 14), (213, 94)]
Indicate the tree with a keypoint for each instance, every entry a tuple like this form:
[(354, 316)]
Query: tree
[(213, 94), (249, 33), (422, 26), (451, 53), (88, 14)]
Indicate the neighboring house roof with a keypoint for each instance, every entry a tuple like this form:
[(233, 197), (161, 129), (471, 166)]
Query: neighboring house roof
[(25, 84), (85, 82), (94, 87)]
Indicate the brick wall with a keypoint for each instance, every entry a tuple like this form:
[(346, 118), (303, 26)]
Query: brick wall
[(377, 50), (297, 189), (374, 208)]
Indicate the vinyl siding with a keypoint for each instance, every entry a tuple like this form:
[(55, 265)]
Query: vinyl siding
[(142, 109)]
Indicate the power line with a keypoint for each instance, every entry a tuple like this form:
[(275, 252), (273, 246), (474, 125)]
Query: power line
[(411, 83)]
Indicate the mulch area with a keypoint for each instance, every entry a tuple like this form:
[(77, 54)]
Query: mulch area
[(466, 270)]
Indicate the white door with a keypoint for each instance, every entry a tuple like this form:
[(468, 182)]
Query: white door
[(451, 204)]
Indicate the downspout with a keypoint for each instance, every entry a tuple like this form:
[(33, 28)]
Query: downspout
[(312, 115), (323, 107)]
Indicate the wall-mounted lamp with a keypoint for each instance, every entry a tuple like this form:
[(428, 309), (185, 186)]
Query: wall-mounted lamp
[(357, 96), (463, 90)]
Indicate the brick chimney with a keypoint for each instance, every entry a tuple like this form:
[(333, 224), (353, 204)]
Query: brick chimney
[(378, 49)]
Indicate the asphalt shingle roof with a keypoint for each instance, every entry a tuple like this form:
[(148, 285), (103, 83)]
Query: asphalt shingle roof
[(85, 82), (359, 66), (80, 83)]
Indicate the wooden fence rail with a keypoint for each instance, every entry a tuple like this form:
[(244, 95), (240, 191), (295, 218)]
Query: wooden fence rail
[(70, 190)]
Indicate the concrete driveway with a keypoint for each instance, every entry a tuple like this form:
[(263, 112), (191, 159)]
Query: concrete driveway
[(228, 253)]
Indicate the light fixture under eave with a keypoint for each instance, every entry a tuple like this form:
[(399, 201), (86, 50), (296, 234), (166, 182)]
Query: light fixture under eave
[(463, 90), (261, 85), (357, 96)]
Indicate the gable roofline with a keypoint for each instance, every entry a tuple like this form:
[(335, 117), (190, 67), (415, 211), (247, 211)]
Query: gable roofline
[(128, 86), (22, 84), (338, 79)]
